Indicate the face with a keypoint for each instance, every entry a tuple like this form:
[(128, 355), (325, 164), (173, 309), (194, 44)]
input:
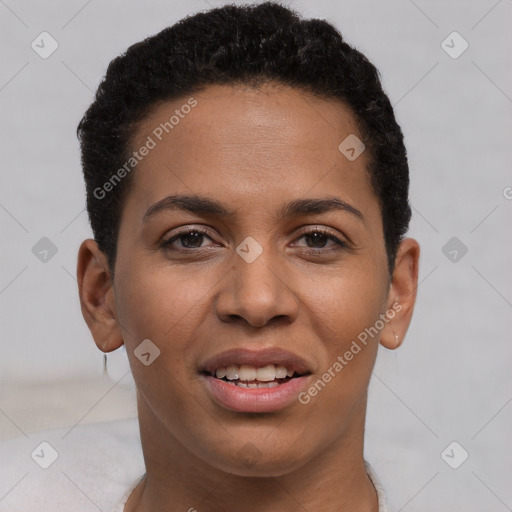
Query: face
[(276, 255)]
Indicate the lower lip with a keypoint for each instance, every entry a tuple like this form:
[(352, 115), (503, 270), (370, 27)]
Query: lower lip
[(240, 399)]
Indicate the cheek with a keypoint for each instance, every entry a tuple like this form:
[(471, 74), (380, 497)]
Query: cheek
[(346, 302), (159, 303), (165, 307), (345, 308)]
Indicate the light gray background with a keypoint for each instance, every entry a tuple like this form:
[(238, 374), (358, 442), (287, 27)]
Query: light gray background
[(450, 380)]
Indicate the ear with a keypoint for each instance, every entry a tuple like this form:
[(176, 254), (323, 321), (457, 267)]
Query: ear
[(402, 294), (97, 296)]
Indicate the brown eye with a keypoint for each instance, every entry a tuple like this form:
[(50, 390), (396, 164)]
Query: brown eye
[(189, 239), (192, 239), (318, 238)]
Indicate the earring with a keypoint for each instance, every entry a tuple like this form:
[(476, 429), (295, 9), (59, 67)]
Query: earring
[(396, 338), (105, 370)]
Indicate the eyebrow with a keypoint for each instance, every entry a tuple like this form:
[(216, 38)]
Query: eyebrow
[(209, 207)]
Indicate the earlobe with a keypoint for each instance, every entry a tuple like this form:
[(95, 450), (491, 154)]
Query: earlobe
[(402, 294), (97, 299)]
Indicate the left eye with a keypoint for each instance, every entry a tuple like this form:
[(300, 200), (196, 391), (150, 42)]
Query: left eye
[(322, 237)]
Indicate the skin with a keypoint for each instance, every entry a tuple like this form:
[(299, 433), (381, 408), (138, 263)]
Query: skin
[(252, 150)]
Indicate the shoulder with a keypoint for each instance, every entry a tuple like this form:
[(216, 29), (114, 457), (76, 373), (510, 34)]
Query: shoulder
[(379, 489), (73, 469)]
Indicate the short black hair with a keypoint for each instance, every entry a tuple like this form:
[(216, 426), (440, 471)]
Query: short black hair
[(250, 44)]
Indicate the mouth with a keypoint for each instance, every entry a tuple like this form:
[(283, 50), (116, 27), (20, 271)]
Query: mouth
[(255, 381), (251, 377)]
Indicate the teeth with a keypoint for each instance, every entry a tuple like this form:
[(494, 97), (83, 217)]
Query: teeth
[(242, 384), (267, 373), (246, 372), (282, 372), (232, 372), (220, 373)]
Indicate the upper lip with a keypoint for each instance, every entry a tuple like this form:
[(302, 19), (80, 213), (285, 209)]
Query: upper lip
[(256, 358)]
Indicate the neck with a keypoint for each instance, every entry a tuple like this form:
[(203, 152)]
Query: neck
[(334, 480)]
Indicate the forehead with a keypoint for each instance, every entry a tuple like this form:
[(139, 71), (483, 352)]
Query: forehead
[(245, 116), (237, 140)]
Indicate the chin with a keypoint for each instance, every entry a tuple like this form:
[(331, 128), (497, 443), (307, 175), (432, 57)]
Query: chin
[(250, 461)]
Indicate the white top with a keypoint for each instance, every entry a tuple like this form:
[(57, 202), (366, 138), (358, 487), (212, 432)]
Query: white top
[(90, 467)]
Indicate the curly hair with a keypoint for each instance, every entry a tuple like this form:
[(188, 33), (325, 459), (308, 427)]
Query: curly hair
[(250, 44)]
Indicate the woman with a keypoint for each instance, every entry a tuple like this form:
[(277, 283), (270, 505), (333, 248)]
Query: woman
[(247, 186)]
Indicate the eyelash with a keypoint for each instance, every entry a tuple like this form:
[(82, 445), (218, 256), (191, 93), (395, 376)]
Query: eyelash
[(167, 244)]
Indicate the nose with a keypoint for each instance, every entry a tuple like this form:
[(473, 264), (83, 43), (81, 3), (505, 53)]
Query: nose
[(257, 293)]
